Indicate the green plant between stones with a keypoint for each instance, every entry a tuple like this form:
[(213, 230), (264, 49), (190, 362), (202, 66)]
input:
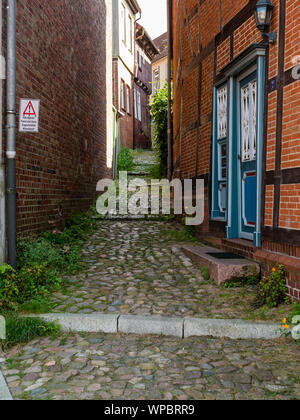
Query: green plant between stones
[(125, 160), (42, 262), (272, 290), (249, 279), (205, 273), (23, 330)]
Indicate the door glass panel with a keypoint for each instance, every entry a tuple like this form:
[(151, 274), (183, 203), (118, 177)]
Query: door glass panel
[(223, 197), (248, 147), (222, 113), (245, 124), (254, 99), (249, 107)]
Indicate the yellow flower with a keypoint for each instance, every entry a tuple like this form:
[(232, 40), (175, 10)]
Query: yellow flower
[(286, 327), (284, 321), (274, 270)]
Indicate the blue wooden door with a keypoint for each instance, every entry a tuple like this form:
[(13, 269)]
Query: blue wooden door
[(247, 156)]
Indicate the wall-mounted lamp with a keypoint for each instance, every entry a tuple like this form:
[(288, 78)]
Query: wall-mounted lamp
[(263, 17)]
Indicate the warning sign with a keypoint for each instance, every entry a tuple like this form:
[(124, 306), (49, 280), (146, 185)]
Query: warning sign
[(29, 115)]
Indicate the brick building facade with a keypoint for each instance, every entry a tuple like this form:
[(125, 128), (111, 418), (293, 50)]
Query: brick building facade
[(236, 125), (125, 13), (61, 60), (142, 88)]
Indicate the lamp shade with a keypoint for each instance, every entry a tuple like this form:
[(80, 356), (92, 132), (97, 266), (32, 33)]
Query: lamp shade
[(263, 14)]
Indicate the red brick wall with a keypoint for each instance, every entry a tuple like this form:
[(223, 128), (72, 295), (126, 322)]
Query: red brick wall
[(292, 40), (290, 206), (269, 205), (271, 133), (223, 54), (126, 128), (291, 127), (61, 61), (245, 35)]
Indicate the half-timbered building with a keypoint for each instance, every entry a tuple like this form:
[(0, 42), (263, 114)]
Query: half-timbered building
[(236, 76)]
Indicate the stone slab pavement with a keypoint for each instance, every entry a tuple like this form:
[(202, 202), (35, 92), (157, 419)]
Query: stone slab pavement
[(130, 367)]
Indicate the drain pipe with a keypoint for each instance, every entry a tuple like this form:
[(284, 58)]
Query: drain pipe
[(170, 62), (2, 167), (11, 133)]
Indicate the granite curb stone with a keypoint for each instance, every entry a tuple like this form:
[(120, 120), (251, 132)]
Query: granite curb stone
[(166, 326)]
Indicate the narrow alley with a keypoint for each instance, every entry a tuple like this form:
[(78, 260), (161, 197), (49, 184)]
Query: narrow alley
[(138, 267), (149, 202)]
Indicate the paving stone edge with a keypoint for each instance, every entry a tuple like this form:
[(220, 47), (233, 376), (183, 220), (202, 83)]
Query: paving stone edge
[(165, 326)]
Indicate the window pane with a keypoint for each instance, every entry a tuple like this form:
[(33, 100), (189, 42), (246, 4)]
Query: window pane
[(123, 23), (222, 112), (223, 197), (129, 32), (135, 104), (128, 100), (122, 95), (139, 106), (156, 79)]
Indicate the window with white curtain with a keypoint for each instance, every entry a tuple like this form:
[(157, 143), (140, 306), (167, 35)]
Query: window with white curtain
[(156, 79), (135, 104), (129, 33), (122, 95)]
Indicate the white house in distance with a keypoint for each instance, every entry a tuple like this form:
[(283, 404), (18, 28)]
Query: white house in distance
[(160, 63), (125, 14)]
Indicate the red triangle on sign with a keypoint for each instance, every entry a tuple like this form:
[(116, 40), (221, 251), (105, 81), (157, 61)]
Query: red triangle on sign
[(29, 109)]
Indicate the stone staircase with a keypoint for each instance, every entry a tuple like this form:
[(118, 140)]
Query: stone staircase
[(144, 161)]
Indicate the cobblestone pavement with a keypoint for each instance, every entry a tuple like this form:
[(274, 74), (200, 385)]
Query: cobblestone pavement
[(131, 367), (138, 267)]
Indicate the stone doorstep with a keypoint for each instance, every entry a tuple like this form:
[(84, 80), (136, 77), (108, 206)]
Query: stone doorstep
[(165, 326), (220, 270)]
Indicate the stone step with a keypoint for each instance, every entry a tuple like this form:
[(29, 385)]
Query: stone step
[(221, 267), (137, 173)]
